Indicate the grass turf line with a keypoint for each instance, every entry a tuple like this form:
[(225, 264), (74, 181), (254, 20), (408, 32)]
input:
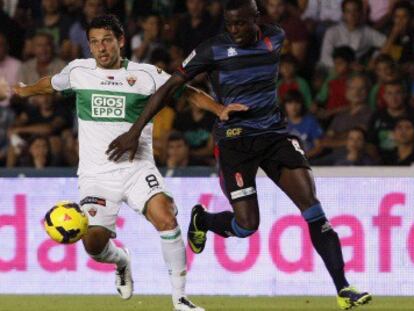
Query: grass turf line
[(211, 303)]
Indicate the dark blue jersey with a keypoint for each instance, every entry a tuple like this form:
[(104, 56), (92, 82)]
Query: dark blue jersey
[(244, 75)]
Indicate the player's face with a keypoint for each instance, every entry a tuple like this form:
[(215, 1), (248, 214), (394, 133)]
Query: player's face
[(352, 14), (404, 132), (241, 24), (356, 91), (394, 96), (106, 47), (177, 151), (293, 109), (355, 141)]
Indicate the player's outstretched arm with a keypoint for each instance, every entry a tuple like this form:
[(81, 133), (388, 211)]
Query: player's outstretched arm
[(42, 86), (128, 142), (204, 101)]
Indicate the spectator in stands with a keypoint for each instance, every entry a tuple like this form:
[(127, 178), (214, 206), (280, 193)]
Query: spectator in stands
[(385, 71), (354, 33), (355, 152), (55, 23), (358, 114), (382, 124), (290, 80), (178, 151), (323, 12), (401, 34), (161, 59), (380, 12), (331, 99), (11, 29), (72, 8), (44, 63), (196, 125), (44, 118), (195, 26), (9, 67), (77, 34), (148, 40), (301, 124), (38, 155), (403, 154), (296, 41)]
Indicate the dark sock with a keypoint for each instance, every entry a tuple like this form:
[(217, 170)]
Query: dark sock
[(219, 223), (326, 242)]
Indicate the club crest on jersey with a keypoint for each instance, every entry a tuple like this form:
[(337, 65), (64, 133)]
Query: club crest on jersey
[(92, 211), (231, 52), (131, 80)]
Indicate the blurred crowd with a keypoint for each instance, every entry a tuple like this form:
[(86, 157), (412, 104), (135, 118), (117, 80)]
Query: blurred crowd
[(346, 82)]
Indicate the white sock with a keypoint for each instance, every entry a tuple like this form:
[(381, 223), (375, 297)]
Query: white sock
[(173, 251), (112, 254)]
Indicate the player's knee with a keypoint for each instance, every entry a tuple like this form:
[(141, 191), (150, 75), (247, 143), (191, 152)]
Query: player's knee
[(244, 230), (95, 240), (165, 222)]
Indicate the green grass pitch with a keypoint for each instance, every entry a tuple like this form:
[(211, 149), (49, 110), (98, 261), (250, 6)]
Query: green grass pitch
[(211, 303)]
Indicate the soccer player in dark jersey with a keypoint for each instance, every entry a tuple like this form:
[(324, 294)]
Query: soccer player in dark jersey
[(242, 64)]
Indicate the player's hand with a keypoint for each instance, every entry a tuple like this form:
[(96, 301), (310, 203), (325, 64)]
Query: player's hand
[(225, 113), (20, 90), (123, 143)]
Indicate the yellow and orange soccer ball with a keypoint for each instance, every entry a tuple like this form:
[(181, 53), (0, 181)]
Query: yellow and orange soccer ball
[(65, 222)]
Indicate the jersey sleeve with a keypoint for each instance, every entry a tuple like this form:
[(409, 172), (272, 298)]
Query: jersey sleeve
[(61, 80), (159, 76), (200, 60)]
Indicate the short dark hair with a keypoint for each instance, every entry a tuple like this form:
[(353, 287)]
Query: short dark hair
[(107, 21), (237, 4), (398, 82), (160, 55), (297, 97), (402, 119), (384, 58), (357, 2), (344, 52)]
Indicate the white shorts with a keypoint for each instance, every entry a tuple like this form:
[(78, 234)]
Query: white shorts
[(102, 194)]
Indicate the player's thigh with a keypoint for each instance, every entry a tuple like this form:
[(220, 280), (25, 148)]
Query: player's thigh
[(288, 167), (237, 165), (142, 187), (101, 196)]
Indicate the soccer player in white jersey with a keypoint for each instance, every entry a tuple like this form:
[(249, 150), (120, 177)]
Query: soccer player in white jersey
[(110, 95)]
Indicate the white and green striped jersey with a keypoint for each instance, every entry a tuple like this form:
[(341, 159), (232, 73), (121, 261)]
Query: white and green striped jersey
[(108, 102)]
